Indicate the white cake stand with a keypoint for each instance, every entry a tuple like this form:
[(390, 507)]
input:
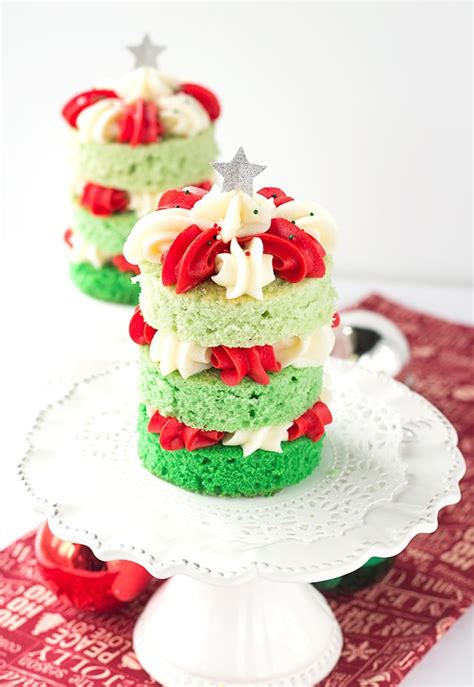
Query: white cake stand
[(389, 464)]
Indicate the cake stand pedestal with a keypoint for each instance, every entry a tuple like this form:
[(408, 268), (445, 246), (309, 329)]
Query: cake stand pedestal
[(237, 612)]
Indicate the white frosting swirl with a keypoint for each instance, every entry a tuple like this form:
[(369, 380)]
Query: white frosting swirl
[(266, 438), (143, 202), (172, 354), (244, 270), (326, 395), (313, 218), (182, 115), (237, 213), (153, 234), (147, 83), (83, 251), (98, 123), (309, 351)]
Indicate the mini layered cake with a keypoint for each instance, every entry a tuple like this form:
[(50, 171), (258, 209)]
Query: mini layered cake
[(234, 325), (130, 143)]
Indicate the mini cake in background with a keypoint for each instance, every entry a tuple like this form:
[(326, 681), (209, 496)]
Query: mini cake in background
[(130, 143), (234, 326)]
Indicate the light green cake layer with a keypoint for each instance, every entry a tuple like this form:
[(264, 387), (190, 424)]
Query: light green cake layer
[(222, 470), (152, 167), (106, 283), (205, 402), (205, 316), (107, 233)]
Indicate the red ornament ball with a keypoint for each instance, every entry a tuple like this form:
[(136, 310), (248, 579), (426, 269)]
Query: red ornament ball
[(78, 577)]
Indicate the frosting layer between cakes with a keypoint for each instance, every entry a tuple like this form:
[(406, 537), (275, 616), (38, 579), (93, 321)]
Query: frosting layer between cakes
[(223, 470), (205, 402)]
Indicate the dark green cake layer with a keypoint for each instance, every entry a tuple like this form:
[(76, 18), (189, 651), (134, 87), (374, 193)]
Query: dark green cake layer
[(105, 283), (222, 470), (205, 402)]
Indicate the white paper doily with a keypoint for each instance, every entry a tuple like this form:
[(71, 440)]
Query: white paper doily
[(389, 464)]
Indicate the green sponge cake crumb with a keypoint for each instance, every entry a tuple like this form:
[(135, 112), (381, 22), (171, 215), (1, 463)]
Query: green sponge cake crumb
[(205, 316), (107, 233), (223, 470), (106, 283), (205, 402), (159, 166)]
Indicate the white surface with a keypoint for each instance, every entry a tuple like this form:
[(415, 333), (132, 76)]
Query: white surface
[(365, 107), (262, 634), (389, 456)]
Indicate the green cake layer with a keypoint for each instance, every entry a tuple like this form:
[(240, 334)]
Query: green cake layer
[(152, 167), (205, 316), (205, 402), (106, 283), (107, 233), (222, 470)]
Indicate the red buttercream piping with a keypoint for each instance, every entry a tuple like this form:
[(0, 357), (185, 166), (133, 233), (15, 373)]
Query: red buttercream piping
[(276, 194), (139, 123), (73, 108), (237, 363), (296, 254), (140, 332), (123, 265), (185, 197), (204, 96), (103, 201), (67, 236), (191, 257), (175, 435), (311, 423)]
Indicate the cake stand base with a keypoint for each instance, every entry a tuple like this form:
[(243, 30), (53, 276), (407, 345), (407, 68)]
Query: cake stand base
[(256, 634)]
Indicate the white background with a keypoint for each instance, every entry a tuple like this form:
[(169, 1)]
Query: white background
[(365, 107)]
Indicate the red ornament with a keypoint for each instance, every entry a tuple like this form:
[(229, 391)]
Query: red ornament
[(73, 108), (103, 201), (311, 423), (175, 435), (279, 197), (139, 123), (68, 237), (336, 320), (206, 97), (75, 574), (123, 265), (237, 363), (184, 198), (191, 258)]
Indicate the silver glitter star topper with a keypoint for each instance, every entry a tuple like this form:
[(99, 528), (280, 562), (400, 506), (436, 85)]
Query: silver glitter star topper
[(146, 54), (239, 173)]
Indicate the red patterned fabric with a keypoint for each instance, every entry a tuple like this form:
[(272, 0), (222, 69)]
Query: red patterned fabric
[(387, 628)]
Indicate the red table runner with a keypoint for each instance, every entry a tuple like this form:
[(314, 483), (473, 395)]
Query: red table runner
[(387, 627)]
